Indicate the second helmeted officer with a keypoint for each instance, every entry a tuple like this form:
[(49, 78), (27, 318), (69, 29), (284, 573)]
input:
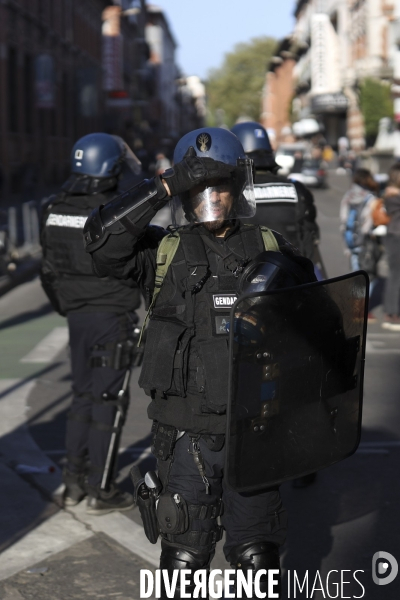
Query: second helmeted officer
[(101, 318), (283, 205)]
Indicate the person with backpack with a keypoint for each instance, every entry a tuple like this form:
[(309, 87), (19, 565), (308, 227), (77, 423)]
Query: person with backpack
[(356, 214), (191, 275), (392, 247)]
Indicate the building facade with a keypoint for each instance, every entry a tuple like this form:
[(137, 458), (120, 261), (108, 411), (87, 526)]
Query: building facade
[(50, 86), (336, 44), (73, 67)]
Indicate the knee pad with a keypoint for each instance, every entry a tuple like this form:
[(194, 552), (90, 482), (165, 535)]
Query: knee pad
[(254, 556), (174, 557)]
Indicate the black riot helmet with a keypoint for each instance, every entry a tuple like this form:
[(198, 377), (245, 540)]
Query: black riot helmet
[(266, 272), (272, 271), (256, 144), (223, 146), (98, 162)]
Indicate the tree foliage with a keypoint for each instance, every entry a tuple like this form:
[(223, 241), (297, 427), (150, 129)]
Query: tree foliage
[(236, 87), (375, 103)]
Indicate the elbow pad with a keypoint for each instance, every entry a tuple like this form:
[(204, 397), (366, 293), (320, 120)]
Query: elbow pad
[(115, 216)]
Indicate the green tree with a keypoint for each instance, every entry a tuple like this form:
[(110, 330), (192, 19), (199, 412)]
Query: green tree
[(236, 87), (375, 103)]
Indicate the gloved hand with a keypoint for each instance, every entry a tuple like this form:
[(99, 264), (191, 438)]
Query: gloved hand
[(193, 170)]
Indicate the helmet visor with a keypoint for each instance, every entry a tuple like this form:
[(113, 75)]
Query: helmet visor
[(218, 199), (128, 166)]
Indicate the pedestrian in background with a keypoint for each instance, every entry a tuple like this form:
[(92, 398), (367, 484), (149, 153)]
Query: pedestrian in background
[(356, 213), (357, 225), (392, 246)]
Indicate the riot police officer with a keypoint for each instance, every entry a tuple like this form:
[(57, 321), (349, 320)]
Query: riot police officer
[(192, 276), (101, 317), (283, 205)]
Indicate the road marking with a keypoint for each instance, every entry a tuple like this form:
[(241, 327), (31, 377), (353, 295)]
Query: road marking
[(378, 347), (48, 348), (383, 444), (372, 451), (384, 335)]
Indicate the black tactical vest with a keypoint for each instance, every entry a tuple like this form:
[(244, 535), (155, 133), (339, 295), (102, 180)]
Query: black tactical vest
[(278, 207), (76, 286), (186, 350), (63, 222)]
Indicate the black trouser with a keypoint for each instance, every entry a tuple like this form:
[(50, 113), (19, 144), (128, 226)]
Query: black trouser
[(246, 518), (91, 418), (392, 289)]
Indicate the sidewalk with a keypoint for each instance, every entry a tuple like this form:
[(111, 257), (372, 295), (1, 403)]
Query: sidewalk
[(47, 552)]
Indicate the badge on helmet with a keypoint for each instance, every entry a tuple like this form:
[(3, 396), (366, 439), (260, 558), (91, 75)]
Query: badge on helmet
[(203, 142)]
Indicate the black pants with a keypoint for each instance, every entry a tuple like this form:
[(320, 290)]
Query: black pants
[(246, 518), (91, 419), (392, 289)]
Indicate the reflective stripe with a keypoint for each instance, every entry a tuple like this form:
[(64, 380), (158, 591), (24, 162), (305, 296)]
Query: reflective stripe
[(271, 192), (66, 221)]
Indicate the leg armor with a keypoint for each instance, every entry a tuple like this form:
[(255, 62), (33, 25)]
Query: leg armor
[(256, 556), (174, 557)]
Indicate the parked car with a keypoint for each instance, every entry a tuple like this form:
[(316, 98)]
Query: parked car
[(286, 154), (313, 173)]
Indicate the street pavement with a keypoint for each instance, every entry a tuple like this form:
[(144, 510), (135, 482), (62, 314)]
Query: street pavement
[(337, 524)]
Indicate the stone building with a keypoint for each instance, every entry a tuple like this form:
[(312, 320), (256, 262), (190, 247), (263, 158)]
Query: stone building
[(335, 45), (50, 86)]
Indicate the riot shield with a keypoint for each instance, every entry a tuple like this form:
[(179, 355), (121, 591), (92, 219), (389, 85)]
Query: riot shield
[(296, 376)]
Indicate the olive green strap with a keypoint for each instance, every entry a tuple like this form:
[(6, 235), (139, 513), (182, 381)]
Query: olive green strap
[(165, 254), (269, 240)]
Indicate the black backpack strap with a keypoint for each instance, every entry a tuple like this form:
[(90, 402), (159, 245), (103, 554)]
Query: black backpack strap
[(252, 240), (196, 261)]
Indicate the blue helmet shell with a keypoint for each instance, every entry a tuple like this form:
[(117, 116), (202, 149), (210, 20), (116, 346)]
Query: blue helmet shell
[(252, 136), (212, 142), (97, 155)]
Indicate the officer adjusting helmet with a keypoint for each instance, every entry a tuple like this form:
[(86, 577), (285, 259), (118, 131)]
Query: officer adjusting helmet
[(217, 200), (98, 162), (256, 144)]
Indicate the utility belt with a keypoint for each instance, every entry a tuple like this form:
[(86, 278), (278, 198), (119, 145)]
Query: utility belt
[(165, 437), (118, 355)]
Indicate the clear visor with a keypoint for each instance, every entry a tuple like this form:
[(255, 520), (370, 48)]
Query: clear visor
[(218, 199), (131, 166), (132, 161)]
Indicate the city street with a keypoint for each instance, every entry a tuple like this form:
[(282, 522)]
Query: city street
[(336, 524)]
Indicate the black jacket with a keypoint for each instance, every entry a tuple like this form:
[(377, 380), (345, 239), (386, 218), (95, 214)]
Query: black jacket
[(67, 275)]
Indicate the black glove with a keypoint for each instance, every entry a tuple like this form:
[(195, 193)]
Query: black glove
[(193, 170)]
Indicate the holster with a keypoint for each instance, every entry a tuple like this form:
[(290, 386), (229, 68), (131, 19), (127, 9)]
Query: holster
[(146, 502), (147, 509)]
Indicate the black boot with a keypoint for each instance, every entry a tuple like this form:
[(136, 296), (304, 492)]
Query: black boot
[(101, 502)]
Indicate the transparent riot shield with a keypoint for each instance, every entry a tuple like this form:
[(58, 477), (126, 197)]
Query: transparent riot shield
[(296, 378)]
